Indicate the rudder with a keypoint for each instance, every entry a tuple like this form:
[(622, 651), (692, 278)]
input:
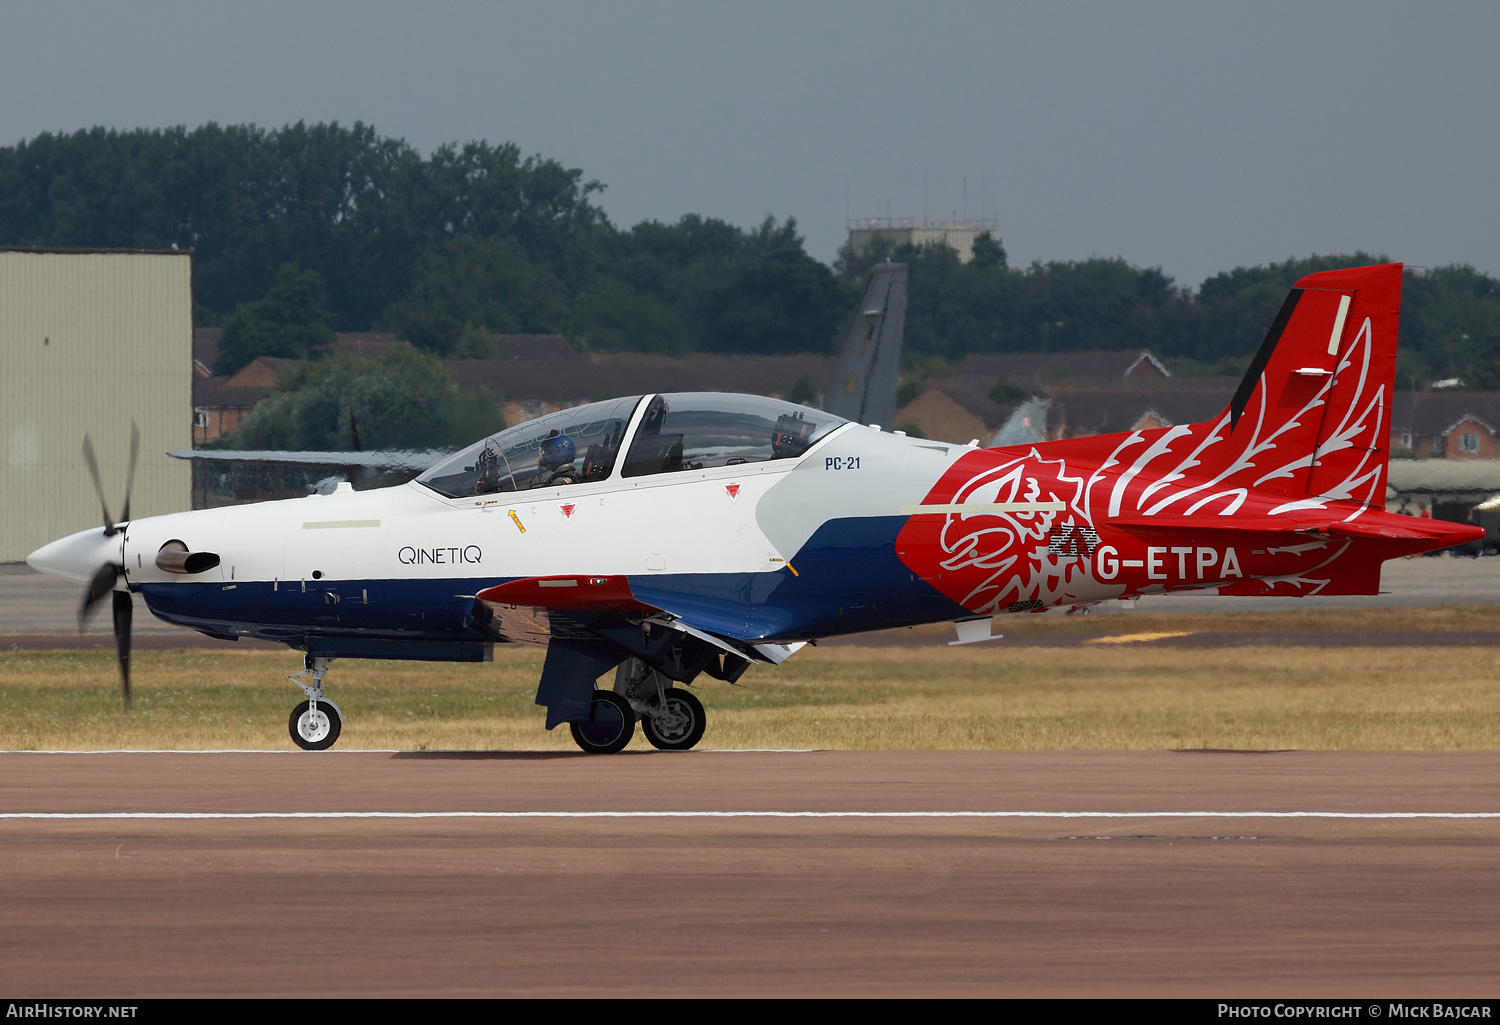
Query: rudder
[(1354, 437)]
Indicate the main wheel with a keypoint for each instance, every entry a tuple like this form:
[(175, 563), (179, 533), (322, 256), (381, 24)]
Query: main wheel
[(315, 731), (608, 728), (680, 726)]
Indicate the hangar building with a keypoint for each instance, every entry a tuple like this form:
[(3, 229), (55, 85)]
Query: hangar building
[(91, 339)]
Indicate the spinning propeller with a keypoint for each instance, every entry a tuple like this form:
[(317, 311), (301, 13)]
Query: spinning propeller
[(109, 573)]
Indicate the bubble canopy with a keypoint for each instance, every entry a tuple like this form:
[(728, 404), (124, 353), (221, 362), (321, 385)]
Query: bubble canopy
[(677, 432)]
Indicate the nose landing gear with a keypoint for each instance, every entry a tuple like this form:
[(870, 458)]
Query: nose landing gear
[(316, 723)]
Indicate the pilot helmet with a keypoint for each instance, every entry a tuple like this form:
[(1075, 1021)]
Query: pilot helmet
[(655, 418), (558, 450)]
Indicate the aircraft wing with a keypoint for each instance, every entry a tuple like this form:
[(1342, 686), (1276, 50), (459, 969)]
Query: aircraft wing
[(589, 623), (414, 462), (600, 594), (533, 610)]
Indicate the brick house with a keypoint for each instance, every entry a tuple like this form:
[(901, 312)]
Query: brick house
[(1445, 425), (1091, 392)]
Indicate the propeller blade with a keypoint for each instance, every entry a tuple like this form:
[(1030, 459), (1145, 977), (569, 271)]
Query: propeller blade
[(135, 450), (123, 609), (93, 464), (102, 584)]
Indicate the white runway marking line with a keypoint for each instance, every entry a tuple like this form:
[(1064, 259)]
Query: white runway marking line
[(192, 815)]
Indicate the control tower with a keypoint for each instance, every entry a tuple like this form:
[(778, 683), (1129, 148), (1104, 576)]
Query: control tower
[(957, 234)]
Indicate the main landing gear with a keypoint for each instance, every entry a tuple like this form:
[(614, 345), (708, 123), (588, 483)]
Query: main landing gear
[(672, 718), (609, 727), (316, 723)]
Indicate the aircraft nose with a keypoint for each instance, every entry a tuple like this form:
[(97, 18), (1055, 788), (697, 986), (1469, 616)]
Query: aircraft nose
[(77, 556)]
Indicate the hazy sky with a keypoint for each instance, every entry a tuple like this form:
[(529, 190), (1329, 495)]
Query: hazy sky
[(1195, 137)]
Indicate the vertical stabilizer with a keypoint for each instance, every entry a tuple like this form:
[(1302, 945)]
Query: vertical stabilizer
[(864, 382), (1308, 429), (1312, 416)]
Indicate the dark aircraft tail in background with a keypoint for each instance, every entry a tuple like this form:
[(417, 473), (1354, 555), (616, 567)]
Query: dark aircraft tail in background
[(864, 383)]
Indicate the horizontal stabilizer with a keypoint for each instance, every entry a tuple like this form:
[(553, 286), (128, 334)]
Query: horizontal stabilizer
[(1379, 526), (1410, 528)]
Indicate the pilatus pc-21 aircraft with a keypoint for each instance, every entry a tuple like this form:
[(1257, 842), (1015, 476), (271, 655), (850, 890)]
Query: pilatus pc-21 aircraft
[(671, 536)]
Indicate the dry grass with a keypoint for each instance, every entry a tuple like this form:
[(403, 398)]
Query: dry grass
[(208, 699), (1122, 697), (1435, 696)]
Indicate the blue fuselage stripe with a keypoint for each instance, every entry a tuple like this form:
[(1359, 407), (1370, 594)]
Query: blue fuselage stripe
[(847, 580)]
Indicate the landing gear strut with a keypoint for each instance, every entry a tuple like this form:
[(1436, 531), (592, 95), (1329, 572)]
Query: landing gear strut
[(316, 723)]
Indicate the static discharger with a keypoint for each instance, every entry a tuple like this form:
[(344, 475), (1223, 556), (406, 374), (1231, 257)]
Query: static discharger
[(517, 521)]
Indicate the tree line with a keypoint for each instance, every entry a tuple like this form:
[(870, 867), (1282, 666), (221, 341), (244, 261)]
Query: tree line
[(1450, 317), (474, 238), (305, 229)]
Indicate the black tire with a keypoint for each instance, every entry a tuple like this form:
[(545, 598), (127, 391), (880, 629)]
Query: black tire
[(608, 728), (684, 730), (319, 736)]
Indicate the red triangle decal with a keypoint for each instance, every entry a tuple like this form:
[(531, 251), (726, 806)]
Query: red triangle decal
[(567, 511), (733, 489)]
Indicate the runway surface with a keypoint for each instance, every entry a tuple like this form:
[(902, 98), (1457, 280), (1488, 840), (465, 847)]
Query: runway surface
[(1141, 900)]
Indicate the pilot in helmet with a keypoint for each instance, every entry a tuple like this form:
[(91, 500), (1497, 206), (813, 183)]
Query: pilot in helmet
[(655, 418), (558, 453), (488, 466)]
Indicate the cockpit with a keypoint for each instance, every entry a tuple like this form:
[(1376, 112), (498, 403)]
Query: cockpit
[(676, 432)]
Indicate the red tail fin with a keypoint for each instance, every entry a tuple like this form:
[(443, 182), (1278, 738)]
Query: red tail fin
[(1308, 427), (1315, 404), (1355, 437)]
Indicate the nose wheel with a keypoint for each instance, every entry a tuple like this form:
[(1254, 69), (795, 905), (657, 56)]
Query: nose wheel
[(315, 728), (315, 724)]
